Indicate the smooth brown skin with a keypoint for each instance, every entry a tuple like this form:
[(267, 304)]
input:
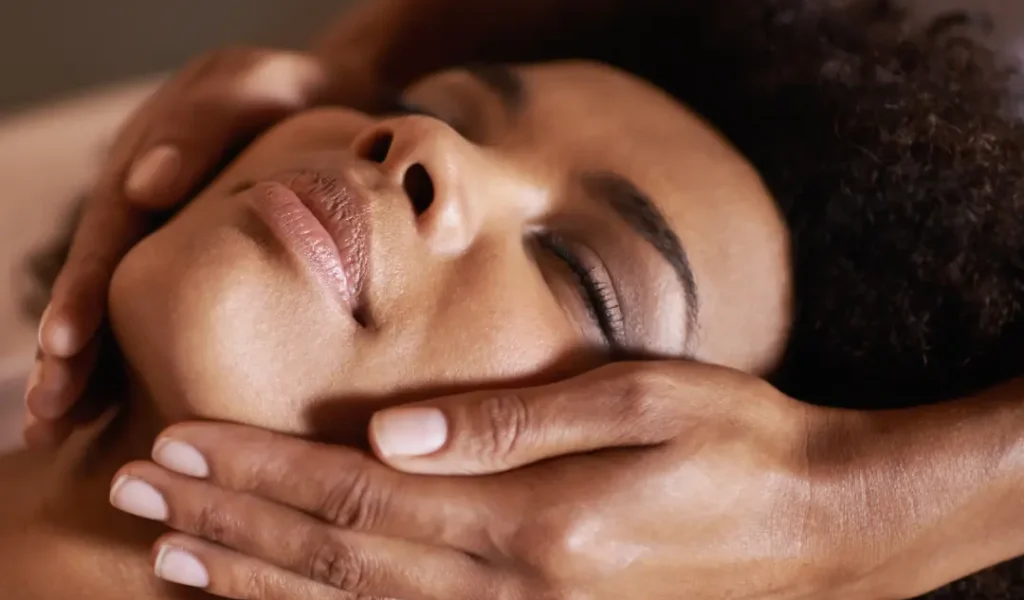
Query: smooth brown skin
[(468, 293), (739, 492), (247, 334), (402, 38)]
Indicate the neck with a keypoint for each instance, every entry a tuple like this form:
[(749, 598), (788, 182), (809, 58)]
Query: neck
[(67, 518)]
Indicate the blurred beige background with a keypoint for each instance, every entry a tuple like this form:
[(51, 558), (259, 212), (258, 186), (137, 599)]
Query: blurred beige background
[(61, 62), (49, 47)]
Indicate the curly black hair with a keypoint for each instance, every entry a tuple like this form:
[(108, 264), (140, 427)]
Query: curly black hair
[(896, 154)]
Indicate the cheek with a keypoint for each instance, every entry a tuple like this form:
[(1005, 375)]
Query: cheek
[(216, 326), (484, 322)]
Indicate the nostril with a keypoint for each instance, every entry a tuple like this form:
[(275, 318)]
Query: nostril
[(419, 187), (379, 146)]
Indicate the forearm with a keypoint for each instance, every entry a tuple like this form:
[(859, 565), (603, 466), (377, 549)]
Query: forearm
[(940, 490)]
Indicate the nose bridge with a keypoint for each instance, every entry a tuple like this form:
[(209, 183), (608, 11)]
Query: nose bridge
[(469, 187), (415, 140)]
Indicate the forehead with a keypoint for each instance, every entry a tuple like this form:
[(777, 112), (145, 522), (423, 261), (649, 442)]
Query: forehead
[(586, 116)]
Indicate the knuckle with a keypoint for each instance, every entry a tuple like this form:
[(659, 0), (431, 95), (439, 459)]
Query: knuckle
[(354, 502), (259, 585), (652, 380), (559, 546), (503, 422), (212, 523), (334, 563), (648, 396)]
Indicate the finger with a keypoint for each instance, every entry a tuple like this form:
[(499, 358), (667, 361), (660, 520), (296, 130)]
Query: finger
[(191, 138), (618, 405), (342, 486), (108, 229), (44, 435), (60, 383), (191, 562), (353, 562), (162, 155)]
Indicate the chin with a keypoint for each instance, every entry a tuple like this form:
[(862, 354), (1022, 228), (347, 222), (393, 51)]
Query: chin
[(213, 326)]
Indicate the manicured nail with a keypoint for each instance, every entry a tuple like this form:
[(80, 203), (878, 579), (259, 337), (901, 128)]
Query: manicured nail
[(56, 338), (154, 170), (33, 379), (282, 79), (180, 458), (414, 431), (181, 567), (42, 325), (138, 498)]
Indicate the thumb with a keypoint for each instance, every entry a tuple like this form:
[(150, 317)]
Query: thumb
[(619, 405)]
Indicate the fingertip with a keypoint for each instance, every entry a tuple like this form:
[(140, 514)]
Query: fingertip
[(35, 376), (177, 565), (152, 173), (44, 435), (57, 335), (58, 384), (286, 79), (409, 432)]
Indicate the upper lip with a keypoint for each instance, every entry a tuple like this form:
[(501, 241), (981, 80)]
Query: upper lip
[(342, 207)]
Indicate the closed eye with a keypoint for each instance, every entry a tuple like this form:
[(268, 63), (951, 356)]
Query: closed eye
[(598, 296)]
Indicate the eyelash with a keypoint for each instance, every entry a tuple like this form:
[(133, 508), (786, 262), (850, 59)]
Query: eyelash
[(599, 298)]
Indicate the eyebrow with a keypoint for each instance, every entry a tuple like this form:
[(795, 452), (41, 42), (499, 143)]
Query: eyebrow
[(635, 208), (505, 82)]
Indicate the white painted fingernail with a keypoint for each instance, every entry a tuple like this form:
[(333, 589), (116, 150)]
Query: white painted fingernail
[(181, 458), (136, 497), (42, 325), (154, 170), (287, 79), (414, 431), (181, 567)]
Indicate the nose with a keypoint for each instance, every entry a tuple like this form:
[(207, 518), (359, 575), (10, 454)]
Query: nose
[(443, 176)]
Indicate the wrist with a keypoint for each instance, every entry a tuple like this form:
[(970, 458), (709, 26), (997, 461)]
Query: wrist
[(920, 497), (851, 516)]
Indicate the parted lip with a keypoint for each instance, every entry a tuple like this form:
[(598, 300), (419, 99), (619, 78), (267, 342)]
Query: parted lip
[(323, 217)]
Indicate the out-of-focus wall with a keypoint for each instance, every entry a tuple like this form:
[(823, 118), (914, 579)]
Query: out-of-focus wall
[(50, 47)]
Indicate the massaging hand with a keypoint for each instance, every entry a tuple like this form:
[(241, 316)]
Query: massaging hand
[(665, 481), (164, 151)]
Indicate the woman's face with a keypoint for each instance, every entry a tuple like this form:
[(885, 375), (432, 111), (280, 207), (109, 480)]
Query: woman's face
[(540, 221)]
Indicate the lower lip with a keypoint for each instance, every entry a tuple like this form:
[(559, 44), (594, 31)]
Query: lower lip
[(304, 236)]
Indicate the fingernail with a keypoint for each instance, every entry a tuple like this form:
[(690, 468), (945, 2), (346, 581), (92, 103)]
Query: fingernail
[(153, 170), (33, 379), (181, 567), (284, 79), (410, 431), (138, 498), (180, 458), (56, 338), (42, 325)]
